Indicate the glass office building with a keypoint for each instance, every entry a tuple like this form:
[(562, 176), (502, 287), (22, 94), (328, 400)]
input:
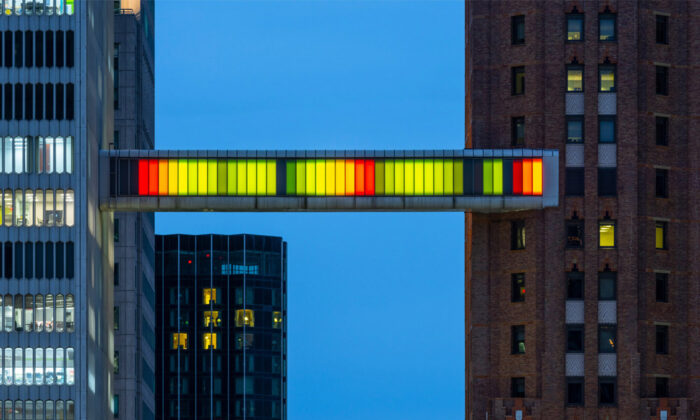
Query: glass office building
[(221, 327)]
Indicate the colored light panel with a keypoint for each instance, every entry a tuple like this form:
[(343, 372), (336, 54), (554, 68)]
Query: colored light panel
[(537, 176), (498, 176), (527, 176)]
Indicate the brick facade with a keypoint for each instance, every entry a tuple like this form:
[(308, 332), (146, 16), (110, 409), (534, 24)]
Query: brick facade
[(635, 208)]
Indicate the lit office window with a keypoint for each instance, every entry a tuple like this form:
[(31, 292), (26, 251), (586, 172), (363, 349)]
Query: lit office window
[(179, 340), (209, 296), (660, 235), (517, 287), (606, 78), (574, 27), (574, 78), (38, 208), (33, 154), (48, 313), (276, 319), (245, 317), (606, 234), (211, 318), (209, 341)]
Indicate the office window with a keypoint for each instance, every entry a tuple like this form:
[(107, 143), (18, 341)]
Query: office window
[(661, 387), (209, 341), (517, 387), (574, 129), (574, 338), (574, 27), (607, 338), (517, 25), (574, 285), (574, 181), (518, 80), (517, 234), (276, 319), (574, 78), (606, 78), (661, 287), (662, 131), (606, 234), (607, 27), (662, 80), (661, 29), (606, 391), (209, 296), (606, 130), (662, 339), (517, 281), (660, 235), (179, 340), (607, 181), (517, 334), (245, 317), (115, 405), (574, 391), (116, 318), (116, 274), (607, 285), (574, 233), (517, 132), (662, 183), (116, 230), (211, 318)]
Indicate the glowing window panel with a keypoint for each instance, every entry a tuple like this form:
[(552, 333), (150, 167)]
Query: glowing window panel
[(399, 180), (459, 177), (320, 177), (172, 176), (162, 177), (488, 176), (251, 184), (360, 177), (241, 177), (330, 177), (409, 177), (349, 177), (143, 177), (221, 178), (517, 177), (527, 176), (537, 176), (449, 177), (340, 177), (379, 179), (369, 177), (232, 182), (153, 177), (191, 177), (202, 177), (310, 177), (498, 177), (390, 176), (429, 177), (212, 169), (291, 168), (419, 173), (439, 176)]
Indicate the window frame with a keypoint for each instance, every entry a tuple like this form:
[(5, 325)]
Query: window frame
[(610, 349), (607, 380), (601, 68), (514, 342), (579, 119), (574, 186), (607, 275), (575, 328), (664, 232), (662, 79), (601, 17), (613, 120), (572, 17), (662, 128), (515, 21), (580, 67), (515, 383), (605, 222), (665, 35), (578, 380), (514, 139), (514, 72), (661, 386), (515, 295), (661, 182), (516, 227), (580, 224), (607, 182), (578, 277), (661, 279), (662, 347)]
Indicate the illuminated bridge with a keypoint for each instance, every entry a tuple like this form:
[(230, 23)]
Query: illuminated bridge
[(397, 180)]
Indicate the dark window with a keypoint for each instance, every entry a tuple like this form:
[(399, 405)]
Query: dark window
[(606, 391), (28, 101), (518, 80), (517, 334), (49, 48), (18, 101), (574, 338), (39, 50), (70, 260), (661, 228), (59, 259), (29, 48), (70, 101), (1, 45), (517, 387), (662, 183), (661, 287), (70, 47), (59, 101), (661, 80), (8, 101), (8, 260), (19, 260), (662, 388), (574, 391), (59, 48), (607, 25), (49, 101), (574, 129), (517, 281), (574, 78), (607, 285), (607, 181), (574, 181), (662, 131), (29, 260), (606, 130), (662, 339), (18, 49), (49, 260), (116, 230), (517, 131), (661, 29), (116, 274), (8, 48), (517, 25), (606, 78), (574, 285), (116, 76), (574, 27), (39, 260), (607, 338), (39, 103), (116, 139), (517, 234)]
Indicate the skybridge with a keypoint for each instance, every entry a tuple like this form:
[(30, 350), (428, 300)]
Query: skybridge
[(477, 180)]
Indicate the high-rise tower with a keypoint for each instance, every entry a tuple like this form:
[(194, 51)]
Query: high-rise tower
[(588, 310)]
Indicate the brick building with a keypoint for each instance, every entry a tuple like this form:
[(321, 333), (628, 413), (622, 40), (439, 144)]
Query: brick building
[(589, 310)]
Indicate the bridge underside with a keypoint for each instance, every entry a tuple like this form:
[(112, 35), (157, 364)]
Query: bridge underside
[(287, 181)]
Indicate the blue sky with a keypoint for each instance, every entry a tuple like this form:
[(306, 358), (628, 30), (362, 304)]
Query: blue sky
[(376, 316)]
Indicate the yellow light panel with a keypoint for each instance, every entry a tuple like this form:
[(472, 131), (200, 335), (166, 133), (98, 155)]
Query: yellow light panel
[(320, 177), (242, 184), (330, 177), (340, 177), (429, 177), (410, 180), (390, 175)]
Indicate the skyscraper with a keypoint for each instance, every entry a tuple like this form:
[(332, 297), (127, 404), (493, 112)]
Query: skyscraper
[(56, 116), (221, 327), (588, 310), (134, 256)]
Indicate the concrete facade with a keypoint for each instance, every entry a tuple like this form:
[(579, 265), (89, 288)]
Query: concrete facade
[(635, 366)]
